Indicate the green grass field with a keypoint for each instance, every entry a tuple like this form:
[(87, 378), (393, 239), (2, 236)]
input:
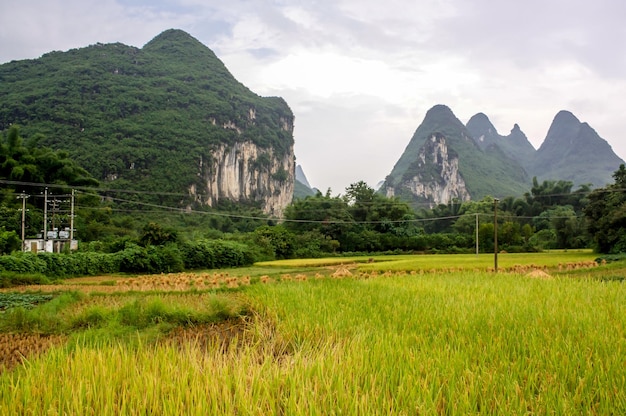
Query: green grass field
[(388, 339)]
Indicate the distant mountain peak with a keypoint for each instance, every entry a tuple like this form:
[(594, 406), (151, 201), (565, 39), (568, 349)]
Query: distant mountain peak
[(300, 176), (572, 151), (515, 146), (170, 35), (439, 111), (482, 130), (517, 135), (566, 116), (571, 144), (184, 48), (481, 120), (564, 125), (440, 117)]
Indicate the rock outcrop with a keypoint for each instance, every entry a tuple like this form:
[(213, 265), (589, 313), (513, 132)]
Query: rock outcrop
[(437, 178), (246, 172)]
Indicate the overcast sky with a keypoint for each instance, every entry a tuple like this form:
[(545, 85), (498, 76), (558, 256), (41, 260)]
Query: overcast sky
[(360, 75)]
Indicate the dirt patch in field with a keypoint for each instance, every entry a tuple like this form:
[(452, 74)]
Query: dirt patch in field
[(15, 348), (209, 336), (232, 336)]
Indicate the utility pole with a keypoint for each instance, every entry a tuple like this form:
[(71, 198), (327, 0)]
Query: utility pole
[(495, 234), (23, 197), (45, 217), (55, 208), (72, 219)]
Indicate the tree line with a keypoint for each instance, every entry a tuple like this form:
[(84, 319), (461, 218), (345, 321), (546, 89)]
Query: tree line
[(551, 215)]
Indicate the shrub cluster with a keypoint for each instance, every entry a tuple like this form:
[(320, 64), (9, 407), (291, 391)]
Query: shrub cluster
[(169, 258), (59, 265), (150, 259), (215, 254)]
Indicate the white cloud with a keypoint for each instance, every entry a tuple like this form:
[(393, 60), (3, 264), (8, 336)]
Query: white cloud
[(347, 139), (30, 28)]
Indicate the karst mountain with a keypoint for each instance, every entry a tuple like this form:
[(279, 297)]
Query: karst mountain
[(446, 160), (167, 119)]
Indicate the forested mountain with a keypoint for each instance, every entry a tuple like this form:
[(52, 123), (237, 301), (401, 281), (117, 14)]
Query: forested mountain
[(302, 186), (515, 145), (446, 160), (301, 177), (166, 118), (443, 162), (573, 151)]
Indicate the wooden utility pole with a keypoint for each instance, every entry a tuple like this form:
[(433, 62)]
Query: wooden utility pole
[(72, 219), (45, 217), (23, 197)]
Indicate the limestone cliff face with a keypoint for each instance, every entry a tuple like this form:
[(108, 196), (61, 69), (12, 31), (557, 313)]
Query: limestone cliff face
[(246, 172), (435, 175)]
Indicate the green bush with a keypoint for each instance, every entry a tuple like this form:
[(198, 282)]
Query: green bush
[(169, 258), (151, 259), (216, 254), (23, 263), (197, 255), (79, 264), (9, 241), (134, 259)]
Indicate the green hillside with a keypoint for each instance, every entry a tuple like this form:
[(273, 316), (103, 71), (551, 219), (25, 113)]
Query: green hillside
[(488, 172), (301, 191), (573, 151), (516, 145), (143, 119)]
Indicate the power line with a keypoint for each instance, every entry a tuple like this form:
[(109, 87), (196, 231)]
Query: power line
[(183, 210), (192, 211), (178, 210), (309, 199), (90, 188)]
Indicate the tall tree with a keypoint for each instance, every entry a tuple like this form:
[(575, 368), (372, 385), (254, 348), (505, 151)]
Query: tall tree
[(606, 215), (31, 164), (325, 213), (549, 194), (27, 167)]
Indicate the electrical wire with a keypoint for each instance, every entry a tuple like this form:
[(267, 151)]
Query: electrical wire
[(177, 210)]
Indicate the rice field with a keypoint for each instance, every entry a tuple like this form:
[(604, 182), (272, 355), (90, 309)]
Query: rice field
[(445, 262), (545, 335)]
